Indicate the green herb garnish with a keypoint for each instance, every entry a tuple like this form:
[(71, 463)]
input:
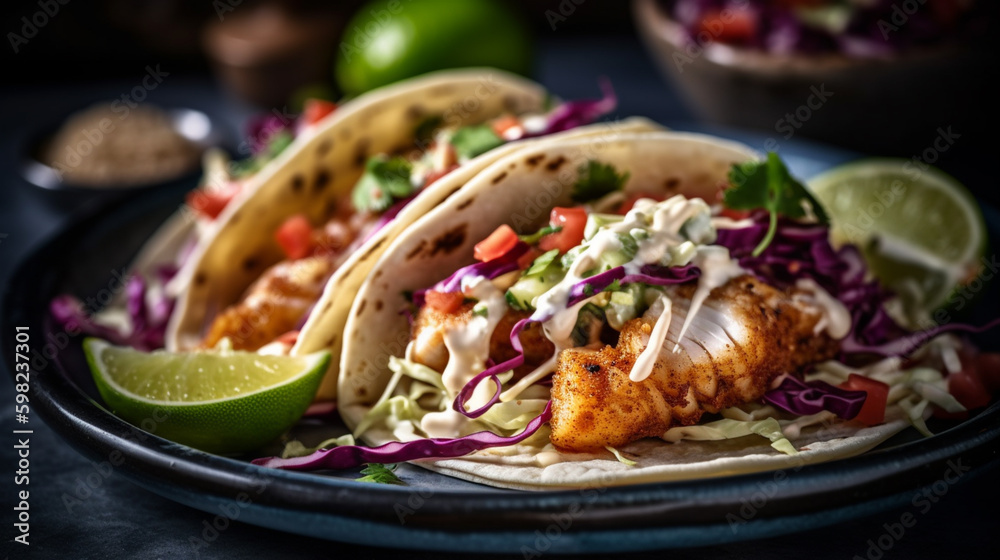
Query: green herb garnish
[(380, 474), (769, 186), (535, 237), (542, 262), (597, 179), (424, 132), (470, 141), (384, 181)]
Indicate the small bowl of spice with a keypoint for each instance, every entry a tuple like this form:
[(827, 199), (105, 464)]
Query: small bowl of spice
[(114, 148)]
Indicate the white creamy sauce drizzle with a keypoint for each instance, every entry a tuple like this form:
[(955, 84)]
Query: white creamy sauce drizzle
[(643, 366), (835, 318), (468, 348), (528, 380)]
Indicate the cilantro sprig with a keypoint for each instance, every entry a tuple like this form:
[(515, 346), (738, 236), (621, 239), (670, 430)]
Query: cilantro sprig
[(769, 186), (533, 238), (471, 141), (597, 179), (380, 474), (385, 180)]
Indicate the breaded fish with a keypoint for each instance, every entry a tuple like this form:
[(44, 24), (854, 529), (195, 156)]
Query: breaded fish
[(273, 305), (744, 335)]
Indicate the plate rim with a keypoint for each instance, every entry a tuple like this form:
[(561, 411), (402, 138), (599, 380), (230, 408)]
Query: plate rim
[(95, 432)]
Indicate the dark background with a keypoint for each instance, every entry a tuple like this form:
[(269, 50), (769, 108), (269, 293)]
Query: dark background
[(94, 50)]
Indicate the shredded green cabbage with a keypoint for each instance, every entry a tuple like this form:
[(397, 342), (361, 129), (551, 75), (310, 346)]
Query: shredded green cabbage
[(296, 448), (621, 458), (731, 429)]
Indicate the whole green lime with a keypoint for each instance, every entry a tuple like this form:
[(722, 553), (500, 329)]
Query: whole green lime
[(387, 41)]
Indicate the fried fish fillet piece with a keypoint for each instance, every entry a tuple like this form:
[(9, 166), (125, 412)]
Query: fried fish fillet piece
[(744, 335), (273, 305), (430, 325)]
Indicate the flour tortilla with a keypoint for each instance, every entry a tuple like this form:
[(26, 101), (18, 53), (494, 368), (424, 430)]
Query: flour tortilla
[(320, 169), (519, 190)]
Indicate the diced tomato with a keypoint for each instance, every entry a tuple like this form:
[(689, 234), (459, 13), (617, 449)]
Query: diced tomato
[(211, 203), (988, 368), (630, 202), (443, 301), (435, 175), (316, 109), (525, 260), (503, 239), (504, 123), (731, 25), (873, 411), (295, 237), (968, 388), (289, 338), (572, 221)]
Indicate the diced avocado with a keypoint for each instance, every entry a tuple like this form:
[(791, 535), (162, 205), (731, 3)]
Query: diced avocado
[(523, 293), (625, 305), (596, 221)]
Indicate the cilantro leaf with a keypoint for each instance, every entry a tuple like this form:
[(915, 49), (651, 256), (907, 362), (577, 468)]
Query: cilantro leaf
[(424, 132), (538, 235), (597, 179), (542, 262), (380, 474), (384, 180), (769, 186), (470, 141)]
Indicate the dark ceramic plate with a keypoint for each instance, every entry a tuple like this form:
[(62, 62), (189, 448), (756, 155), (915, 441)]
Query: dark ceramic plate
[(433, 511)]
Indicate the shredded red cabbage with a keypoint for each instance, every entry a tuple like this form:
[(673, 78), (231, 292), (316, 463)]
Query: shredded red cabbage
[(649, 274), (494, 370), (804, 251), (798, 397), (351, 456), (149, 322), (489, 270), (573, 114), (262, 128)]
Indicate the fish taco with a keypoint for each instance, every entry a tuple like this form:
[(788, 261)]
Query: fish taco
[(280, 274), (648, 307)]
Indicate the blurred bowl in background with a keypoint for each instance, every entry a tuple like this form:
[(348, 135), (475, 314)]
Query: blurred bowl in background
[(264, 53), (88, 155), (894, 104)]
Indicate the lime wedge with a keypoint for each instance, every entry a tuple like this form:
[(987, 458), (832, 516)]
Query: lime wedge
[(221, 401), (921, 231)]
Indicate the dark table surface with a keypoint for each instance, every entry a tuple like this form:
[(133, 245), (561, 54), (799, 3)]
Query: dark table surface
[(122, 520)]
